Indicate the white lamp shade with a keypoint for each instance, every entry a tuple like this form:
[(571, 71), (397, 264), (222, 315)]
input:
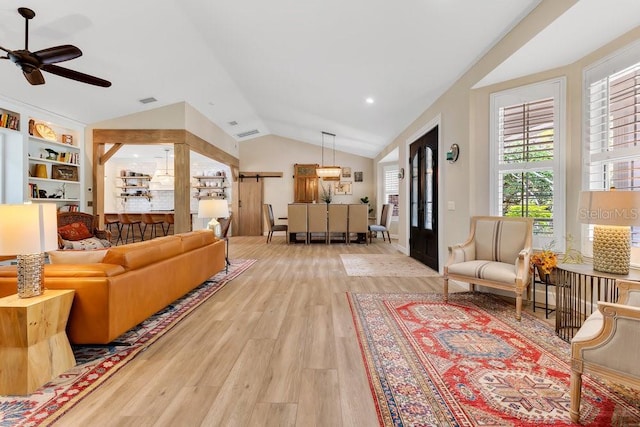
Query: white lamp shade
[(213, 208), (28, 228), (609, 207)]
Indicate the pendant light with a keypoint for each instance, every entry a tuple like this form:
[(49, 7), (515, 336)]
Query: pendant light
[(329, 173), (164, 179)]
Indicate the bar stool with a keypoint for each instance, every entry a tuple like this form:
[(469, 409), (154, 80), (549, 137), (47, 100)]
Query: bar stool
[(168, 219), (125, 219), (148, 219), (110, 220)]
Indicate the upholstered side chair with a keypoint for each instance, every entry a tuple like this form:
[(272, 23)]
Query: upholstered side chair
[(496, 255), (271, 222), (339, 221), (385, 221), (297, 217), (608, 343)]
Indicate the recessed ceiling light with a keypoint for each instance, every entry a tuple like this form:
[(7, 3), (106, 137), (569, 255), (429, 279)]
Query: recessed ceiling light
[(369, 100)]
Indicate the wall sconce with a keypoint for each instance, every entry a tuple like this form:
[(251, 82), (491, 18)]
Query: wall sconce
[(453, 153), (401, 174)]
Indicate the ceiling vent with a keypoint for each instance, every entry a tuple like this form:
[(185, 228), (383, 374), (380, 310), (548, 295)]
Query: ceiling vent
[(233, 123), (247, 133), (148, 100)]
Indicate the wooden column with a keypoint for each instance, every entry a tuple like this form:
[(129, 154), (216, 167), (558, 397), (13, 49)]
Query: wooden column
[(182, 187), (34, 347), (98, 183)]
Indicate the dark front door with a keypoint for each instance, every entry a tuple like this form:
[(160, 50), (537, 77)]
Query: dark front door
[(423, 193)]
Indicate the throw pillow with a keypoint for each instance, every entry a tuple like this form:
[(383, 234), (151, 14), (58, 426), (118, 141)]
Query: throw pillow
[(74, 231), (77, 257), (90, 243)]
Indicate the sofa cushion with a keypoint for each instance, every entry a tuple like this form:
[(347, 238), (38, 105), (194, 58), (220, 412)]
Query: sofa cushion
[(82, 270), (498, 240), (196, 239), (488, 270), (77, 256), (140, 254), (74, 231)]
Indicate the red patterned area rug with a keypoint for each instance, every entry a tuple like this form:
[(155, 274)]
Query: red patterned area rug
[(95, 364), (470, 363)]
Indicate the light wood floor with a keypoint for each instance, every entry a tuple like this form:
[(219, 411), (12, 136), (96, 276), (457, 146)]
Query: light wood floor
[(275, 347)]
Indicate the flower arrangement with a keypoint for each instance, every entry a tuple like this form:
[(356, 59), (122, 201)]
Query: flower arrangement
[(546, 260), (326, 194)]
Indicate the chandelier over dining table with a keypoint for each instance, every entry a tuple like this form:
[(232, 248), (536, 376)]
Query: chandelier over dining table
[(329, 173)]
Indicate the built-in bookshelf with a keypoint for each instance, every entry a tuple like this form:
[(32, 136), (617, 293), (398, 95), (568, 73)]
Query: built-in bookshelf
[(9, 119), (44, 157)]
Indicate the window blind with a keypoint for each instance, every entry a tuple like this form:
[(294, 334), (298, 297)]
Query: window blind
[(526, 137), (392, 187), (613, 124)]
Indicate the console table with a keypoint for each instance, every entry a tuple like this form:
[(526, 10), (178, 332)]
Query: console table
[(34, 347), (579, 288)]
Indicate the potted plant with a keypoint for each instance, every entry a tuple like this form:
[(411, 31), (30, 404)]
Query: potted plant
[(326, 194), (545, 262), (365, 200)]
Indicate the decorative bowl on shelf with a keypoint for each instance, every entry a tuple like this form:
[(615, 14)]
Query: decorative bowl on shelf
[(45, 132)]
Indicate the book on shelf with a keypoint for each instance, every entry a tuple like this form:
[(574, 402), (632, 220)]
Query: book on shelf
[(69, 208), (9, 121)]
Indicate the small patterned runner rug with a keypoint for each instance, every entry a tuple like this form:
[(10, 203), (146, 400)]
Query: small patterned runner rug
[(95, 364), (470, 363), (385, 265)]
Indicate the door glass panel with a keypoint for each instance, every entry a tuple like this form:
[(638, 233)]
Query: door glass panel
[(428, 189), (414, 190)]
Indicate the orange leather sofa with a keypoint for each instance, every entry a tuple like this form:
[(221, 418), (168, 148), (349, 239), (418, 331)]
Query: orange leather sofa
[(132, 282)]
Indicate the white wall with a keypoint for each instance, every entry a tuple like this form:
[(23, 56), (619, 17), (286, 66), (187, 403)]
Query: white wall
[(273, 153)]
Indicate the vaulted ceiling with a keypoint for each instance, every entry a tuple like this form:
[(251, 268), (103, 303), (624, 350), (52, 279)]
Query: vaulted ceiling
[(286, 67)]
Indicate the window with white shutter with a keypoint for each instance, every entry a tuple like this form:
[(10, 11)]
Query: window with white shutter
[(391, 187), (526, 144), (612, 152)]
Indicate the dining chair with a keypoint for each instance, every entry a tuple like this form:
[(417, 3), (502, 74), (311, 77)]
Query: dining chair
[(359, 222), (339, 220), (297, 214), (385, 222), (317, 214), (271, 225)]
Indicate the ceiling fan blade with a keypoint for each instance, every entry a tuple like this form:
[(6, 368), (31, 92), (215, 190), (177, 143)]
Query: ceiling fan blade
[(34, 76), (6, 50), (75, 75), (58, 54)]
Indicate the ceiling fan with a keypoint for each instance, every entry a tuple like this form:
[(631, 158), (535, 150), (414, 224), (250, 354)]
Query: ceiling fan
[(32, 62)]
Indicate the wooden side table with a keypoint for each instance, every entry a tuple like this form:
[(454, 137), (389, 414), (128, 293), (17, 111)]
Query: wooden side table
[(578, 289), (34, 347)]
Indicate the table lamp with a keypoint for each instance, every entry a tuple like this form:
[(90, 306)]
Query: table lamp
[(28, 231), (213, 208), (613, 213)]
